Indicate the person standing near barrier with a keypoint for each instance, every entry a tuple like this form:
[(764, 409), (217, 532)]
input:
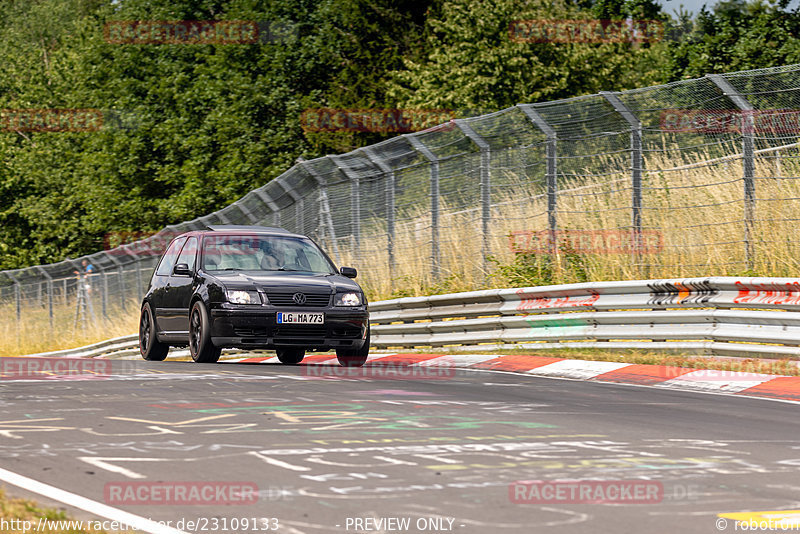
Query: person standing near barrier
[(85, 273)]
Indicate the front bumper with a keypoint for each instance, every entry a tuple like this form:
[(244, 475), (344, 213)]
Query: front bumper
[(256, 328)]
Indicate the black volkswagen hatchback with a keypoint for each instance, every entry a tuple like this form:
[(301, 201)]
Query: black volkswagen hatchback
[(252, 287)]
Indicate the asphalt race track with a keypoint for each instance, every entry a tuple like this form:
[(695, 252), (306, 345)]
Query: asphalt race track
[(442, 454)]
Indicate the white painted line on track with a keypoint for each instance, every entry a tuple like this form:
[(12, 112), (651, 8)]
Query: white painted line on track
[(93, 507)]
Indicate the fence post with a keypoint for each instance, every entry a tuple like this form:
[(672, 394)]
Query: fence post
[(748, 125), (388, 171), (137, 261), (551, 154), (104, 299), (486, 184), (324, 220), (17, 297), (49, 292), (355, 197), (121, 278), (434, 169), (637, 164)]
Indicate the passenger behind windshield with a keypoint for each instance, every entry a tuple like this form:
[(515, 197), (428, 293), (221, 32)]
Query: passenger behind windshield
[(263, 253)]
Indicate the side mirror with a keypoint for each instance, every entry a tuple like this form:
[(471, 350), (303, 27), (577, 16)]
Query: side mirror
[(349, 272), (182, 269)]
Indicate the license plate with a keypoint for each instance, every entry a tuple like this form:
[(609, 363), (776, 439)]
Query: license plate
[(301, 318)]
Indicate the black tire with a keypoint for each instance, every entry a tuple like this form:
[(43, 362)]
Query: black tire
[(200, 346), (149, 345), (291, 356), (354, 358)]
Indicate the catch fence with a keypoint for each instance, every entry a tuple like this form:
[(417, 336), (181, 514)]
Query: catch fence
[(693, 178)]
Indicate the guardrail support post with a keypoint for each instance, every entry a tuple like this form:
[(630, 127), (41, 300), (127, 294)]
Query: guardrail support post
[(434, 166), (486, 184), (748, 127), (551, 154), (637, 164), (388, 172)]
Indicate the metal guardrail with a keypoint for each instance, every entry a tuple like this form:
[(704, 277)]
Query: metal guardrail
[(718, 315)]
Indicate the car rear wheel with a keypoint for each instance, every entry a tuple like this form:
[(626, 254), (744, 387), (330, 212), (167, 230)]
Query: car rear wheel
[(149, 345), (354, 358), (200, 346), (291, 356)]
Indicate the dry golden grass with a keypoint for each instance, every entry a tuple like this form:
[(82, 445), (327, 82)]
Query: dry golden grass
[(34, 333)]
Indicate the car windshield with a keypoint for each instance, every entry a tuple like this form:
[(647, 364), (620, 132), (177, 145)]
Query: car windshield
[(263, 253)]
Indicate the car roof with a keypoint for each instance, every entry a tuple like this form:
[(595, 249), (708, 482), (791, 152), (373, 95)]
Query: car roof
[(251, 229), (241, 229)]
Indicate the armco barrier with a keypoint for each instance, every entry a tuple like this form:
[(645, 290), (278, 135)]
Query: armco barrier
[(717, 315)]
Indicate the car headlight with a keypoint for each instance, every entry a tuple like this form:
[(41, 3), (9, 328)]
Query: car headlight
[(348, 299), (243, 297)]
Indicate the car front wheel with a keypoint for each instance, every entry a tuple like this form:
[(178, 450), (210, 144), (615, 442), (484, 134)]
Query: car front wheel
[(200, 346), (354, 358)]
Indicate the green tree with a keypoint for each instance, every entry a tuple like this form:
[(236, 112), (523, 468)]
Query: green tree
[(471, 62), (738, 35)]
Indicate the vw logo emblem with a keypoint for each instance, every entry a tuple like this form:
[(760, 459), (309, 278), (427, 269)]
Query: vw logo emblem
[(299, 298)]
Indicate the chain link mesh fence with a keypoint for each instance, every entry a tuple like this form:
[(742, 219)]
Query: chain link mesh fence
[(691, 178)]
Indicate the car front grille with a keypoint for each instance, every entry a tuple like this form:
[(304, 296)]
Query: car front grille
[(315, 300)]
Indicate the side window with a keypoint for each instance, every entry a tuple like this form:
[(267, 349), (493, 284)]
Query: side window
[(188, 253), (168, 260)]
